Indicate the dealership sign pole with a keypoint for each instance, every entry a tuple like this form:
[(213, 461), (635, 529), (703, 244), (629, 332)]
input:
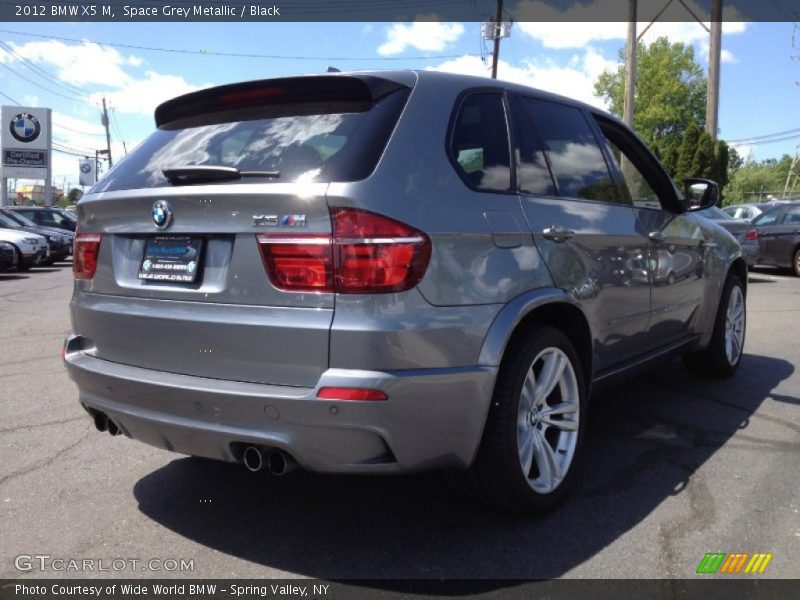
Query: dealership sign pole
[(27, 147)]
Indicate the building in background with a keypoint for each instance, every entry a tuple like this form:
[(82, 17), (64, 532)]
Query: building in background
[(34, 194)]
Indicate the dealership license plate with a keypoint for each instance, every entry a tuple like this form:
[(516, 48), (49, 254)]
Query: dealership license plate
[(171, 258)]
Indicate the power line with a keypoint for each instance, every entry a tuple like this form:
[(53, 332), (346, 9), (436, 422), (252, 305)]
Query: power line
[(41, 72), (10, 98), (80, 154), (59, 125), (770, 141), (5, 66), (116, 128), (233, 54), (783, 10), (765, 136), (66, 147)]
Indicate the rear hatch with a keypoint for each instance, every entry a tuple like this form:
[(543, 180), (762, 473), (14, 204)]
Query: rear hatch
[(187, 277)]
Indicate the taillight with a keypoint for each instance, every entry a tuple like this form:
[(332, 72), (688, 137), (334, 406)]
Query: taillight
[(346, 393), (751, 236), (368, 254), (376, 254), (84, 254), (298, 263)]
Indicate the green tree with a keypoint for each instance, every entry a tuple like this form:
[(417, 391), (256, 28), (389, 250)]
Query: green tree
[(74, 195), (735, 161), (754, 182), (691, 137), (721, 163), (703, 159), (671, 157), (670, 92)]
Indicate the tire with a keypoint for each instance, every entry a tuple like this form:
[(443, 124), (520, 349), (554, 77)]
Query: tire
[(553, 440), (724, 353), (796, 262)]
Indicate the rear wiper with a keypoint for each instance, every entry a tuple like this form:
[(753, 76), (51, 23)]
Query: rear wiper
[(205, 173)]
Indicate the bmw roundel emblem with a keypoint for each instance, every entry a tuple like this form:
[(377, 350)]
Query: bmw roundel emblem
[(85, 167), (24, 127), (162, 214)]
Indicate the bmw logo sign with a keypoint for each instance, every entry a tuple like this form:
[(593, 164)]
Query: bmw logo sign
[(86, 167), (25, 127), (162, 214)]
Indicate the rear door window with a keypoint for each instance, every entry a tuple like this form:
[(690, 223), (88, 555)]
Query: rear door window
[(575, 157), (791, 216), (767, 218), (479, 142)]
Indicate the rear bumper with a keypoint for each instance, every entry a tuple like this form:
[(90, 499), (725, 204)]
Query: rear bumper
[(29, 259), (433, 419), (750, 254), (60, 252)]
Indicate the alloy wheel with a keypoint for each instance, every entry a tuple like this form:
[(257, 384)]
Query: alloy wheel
[(734, 325), (547, 420)]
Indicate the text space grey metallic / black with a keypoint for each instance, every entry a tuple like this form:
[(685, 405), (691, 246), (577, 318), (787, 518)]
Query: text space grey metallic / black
[(391, 272)]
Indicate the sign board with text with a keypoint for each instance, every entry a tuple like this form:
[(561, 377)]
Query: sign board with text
[(26, 142)]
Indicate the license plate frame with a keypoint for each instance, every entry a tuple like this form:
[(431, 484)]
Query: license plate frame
[(171, 258)]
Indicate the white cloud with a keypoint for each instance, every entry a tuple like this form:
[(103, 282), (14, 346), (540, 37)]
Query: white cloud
[(78, 133), (89, 64), (78, 64), (141, 96), (574, 79), (572, 35), (428, 36)]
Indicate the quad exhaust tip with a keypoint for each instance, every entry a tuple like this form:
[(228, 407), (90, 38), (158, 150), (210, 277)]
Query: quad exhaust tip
[(277, 462), (103, 423), (100, 421)]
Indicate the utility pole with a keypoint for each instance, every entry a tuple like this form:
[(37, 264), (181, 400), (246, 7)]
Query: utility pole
[(715, 50), (630, 66), (104, 121), (497, 25), (793, 176)]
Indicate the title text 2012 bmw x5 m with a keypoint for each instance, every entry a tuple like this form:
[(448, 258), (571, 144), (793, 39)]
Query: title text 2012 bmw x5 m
[(390, 272)]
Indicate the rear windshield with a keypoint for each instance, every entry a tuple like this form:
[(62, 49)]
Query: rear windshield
[(324, 145)]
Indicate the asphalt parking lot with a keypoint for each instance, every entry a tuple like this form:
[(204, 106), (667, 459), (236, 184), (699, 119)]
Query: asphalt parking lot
[(675, 466)]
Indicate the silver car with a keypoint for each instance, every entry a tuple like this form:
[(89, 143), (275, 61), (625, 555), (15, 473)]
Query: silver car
[(390, 272), (740, 229), (31, 249)]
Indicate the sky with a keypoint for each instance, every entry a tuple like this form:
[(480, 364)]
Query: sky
[(759, 90)]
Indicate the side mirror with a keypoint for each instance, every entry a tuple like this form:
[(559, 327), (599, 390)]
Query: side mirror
[(700, 193)]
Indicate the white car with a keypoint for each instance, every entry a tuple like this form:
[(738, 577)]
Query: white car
[(31, 248)]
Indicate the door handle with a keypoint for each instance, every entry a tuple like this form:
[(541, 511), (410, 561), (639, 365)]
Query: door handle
[(656, 236), (557, 233)]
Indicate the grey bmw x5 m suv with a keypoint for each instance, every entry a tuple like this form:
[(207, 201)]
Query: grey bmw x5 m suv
[(390, 272)]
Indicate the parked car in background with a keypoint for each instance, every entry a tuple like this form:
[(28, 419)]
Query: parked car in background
[(31, 249), (8, 257), (737, 228), (389, 273), (778, 236), (59, 240), (47, 216), (747, 212)]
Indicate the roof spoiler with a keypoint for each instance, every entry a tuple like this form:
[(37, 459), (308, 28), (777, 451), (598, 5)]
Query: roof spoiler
[(348, 93)]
